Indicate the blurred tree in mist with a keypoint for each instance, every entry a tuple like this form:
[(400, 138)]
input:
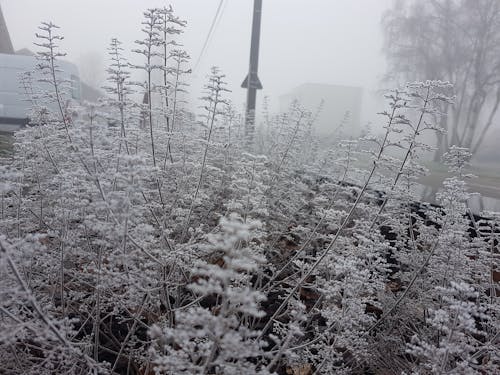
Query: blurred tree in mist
[(456, 41)]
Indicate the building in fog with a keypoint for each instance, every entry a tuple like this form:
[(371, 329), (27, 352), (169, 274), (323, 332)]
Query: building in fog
[(14, 107), (341, 109), (5, 42)]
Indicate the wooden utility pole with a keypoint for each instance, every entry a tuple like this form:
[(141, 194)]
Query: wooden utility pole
[(252, 82)]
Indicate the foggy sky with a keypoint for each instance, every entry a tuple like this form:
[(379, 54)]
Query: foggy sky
[(319, 41)]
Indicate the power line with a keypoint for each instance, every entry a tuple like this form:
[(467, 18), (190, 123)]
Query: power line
[(220, 17), (210, 33)]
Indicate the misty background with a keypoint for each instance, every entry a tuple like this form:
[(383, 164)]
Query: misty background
[(318, 41)]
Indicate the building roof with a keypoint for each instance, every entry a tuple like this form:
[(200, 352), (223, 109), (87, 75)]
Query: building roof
[(25, 52), (5, 42), (88, 93)]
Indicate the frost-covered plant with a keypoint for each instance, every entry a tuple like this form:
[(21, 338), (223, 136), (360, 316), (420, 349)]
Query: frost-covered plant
[(34, 340), (148, 49), (458, 270), (453, 336), (130, 249), (119, 90), (214, 100), (217, 339)]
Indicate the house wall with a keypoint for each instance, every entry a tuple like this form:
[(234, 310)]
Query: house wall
[(337, 102)]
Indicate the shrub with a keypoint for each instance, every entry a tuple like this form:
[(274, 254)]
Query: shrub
[(136, 239)]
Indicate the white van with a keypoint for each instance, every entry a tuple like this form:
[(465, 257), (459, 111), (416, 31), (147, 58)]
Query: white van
[(13, 104)]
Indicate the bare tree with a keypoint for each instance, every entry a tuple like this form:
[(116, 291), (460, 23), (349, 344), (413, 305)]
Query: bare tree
[(453, 40)]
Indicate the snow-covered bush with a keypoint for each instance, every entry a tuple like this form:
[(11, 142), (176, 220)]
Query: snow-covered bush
[(140, 238)]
